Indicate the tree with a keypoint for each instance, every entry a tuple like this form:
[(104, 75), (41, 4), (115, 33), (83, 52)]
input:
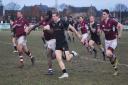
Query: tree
[(121, 12), (121, 7), (12, 6)]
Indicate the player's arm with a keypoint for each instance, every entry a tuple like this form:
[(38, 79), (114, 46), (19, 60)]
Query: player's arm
[(120, 28), (26, 26), (47, 27), (74, 30), (33, 28)]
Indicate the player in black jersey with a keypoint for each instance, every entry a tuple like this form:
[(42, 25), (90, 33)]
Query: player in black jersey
[(95, 36)]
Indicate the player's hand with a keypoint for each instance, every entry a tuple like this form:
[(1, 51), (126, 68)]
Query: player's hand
[(11, 22), (82, 41), (27, 30), (47, 27), (119, 36)]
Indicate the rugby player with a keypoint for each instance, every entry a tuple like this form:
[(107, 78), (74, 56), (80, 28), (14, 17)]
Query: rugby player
[(59, 26), (95, 36), (110, 27), (20, 25)]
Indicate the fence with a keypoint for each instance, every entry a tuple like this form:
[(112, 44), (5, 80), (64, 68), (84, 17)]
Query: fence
[(4, 26)]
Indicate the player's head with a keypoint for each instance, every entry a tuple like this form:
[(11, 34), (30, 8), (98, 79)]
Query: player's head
[(105, 13), (81, 18), (91, 18), (55, 16), (42, 17), (19, 14), (48, 16)]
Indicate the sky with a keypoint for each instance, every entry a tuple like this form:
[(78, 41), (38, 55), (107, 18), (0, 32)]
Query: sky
[(99, 4)]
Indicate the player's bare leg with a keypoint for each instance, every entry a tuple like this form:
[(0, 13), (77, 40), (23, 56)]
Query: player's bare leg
[(50, 56), (103, 51), (14, 44), (20, 50), (91, 44), (113, 60), (28, 53), (61, 64)]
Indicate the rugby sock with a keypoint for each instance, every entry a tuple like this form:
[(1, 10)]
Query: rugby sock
[(15, 48), (115, 68), (28, 54), (94, 50), (73, 39), (69, 38), (64, 71), (113, 59), (21, 57), (101, 48), (73, 54), (43, 40)]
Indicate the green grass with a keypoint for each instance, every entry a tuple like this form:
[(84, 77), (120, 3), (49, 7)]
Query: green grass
[(85, 71)]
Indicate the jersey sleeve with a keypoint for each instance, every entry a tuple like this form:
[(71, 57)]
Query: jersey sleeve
[(26, 22), (115, 23)]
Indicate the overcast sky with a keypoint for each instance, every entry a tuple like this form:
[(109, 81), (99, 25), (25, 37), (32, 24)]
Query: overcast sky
[(99, 4)]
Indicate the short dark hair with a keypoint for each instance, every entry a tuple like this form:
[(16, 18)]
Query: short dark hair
[(20, 11), (106, 10), (57, 13)]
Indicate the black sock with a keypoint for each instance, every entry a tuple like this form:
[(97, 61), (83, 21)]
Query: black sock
[(20, 53), (43, 40), (28, 53), (112, 60), (64, 71), (94, 50), (73, 39), (73, 54), (15, 47), (103, 53)]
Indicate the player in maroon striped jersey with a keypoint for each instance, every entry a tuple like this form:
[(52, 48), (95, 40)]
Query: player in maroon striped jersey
[(49, 38), (84, 31), (110, 28), (19, 26)]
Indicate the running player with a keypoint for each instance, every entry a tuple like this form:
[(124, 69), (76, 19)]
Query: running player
[(84, 31), (19, 26), (49, 39), (109, 27), (59, 26), (95, 36)]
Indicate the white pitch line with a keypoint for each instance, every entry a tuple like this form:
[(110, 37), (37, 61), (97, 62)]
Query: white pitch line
[(121, 64)]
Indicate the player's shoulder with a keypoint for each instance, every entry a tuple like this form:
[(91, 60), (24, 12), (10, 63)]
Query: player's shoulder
[(62, 21), (113, 19)]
